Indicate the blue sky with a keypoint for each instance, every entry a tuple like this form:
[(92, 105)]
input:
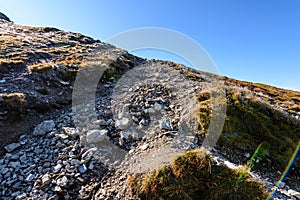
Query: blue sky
[(257, 41)]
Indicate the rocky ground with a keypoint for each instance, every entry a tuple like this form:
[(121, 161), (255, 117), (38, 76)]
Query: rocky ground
[(38, 66), (142, 116), (59, 161)]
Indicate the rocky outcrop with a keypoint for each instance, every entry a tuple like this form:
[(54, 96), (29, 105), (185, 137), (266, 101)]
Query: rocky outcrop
[(4, 17), (38, 66)]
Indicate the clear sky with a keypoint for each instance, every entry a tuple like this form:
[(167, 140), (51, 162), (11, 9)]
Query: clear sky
[(254, 40)]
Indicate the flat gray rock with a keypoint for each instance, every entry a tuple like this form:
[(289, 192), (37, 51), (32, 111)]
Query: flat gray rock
[(94, 136), (11, 147), (44, 127), (166, 124)]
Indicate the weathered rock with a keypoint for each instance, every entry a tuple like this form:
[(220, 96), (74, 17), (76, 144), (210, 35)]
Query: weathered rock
[(281, 185), (123, 123), (75, 162), (62, 136), (43, 128), (100, 122), (157, 106), (124, 135), (62, 181), (150, 110), (21, 196), (46, 179), (95, 136), (14, 157), (144, 146), (46, 164), (82, 169), (294, 193), (11, 147), (14, 164), (121, 141), (4, 17), (57, 168), (57, 189), (15, 194), (4, 170), (30, 177), (70, 131), (87, 156), (166, 124)]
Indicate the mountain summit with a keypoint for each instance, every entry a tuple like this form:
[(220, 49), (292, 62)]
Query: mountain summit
[(137, 133), (4, 17)]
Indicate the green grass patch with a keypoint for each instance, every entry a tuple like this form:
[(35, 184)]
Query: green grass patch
[(250, 122), (193, 176)]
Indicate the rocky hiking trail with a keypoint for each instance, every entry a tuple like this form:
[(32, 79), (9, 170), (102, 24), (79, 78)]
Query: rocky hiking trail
[(58, 161), (60, 145)]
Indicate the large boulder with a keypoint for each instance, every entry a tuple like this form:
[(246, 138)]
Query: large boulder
[(2, 16)]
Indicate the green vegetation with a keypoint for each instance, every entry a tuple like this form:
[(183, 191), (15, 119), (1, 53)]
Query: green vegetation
[(260, 153), (194, 76), (109, 73), (278, 95), (203, 113), (255, 122), (250, 122), (194, 176)]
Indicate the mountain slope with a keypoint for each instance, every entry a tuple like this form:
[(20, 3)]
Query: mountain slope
[(38, 68)]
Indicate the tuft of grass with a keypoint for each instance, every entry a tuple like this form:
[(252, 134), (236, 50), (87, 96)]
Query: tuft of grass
[(250, 122), (177, 67), (40, 67), (203, 96), (277, 94), (74, 59), (15, 102), (194, 76), (193, 176), (13, 62), (109, 73), (261, 152)]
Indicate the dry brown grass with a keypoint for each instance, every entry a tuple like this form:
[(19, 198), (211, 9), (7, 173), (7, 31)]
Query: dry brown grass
[(39, 67), (74, 59), (14, 101)]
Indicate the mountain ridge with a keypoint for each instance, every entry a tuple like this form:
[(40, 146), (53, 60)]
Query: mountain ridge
[(39, 65)]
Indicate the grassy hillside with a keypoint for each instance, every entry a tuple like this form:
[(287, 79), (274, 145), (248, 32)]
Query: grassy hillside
[(192, 175)]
